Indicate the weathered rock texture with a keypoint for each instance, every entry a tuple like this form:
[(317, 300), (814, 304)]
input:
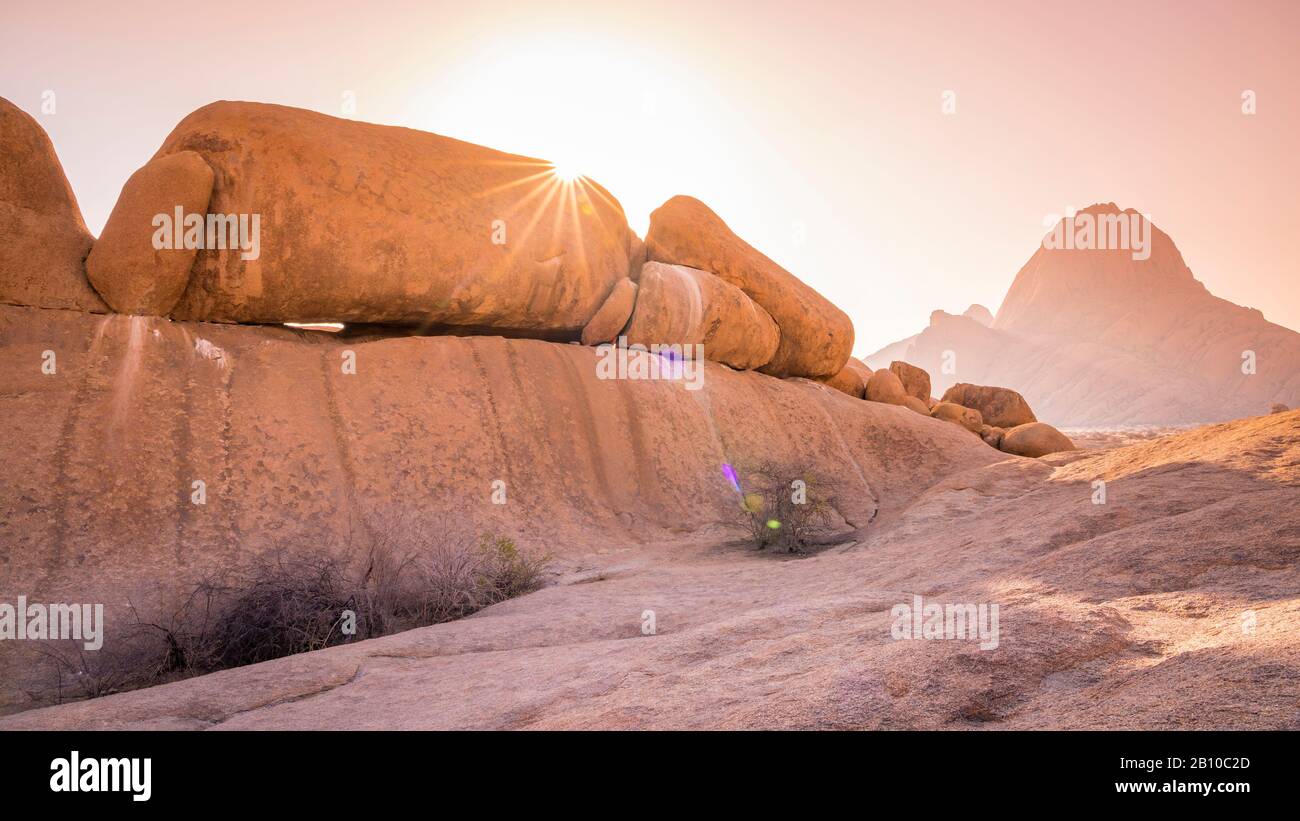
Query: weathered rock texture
[(849, 380), (44, 239), (1035, 439), (916, 382), (968, 418), (376, 224), (680, 305), (95, 500), (1119, 616), (816, 336), (884, 386), (613, 314), (128, 245), (1000, 407), (860, 368), (1095, 338)]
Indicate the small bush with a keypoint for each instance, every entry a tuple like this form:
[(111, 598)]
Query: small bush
[(409, 577), (786, 507)]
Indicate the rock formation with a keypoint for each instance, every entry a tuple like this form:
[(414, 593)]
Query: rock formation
[(125, 266), (45, 239), (298, 453), (848, 380), (162, 451), (884, 386), (1000, 407), (968, 418), (1098, 338), (1035, 439), (1106, 610), (980, 314), (613, 315), (375, 224), (680, 305), (916, 382), (816, 336)]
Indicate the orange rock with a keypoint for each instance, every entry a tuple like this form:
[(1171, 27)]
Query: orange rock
[(912, 403), (613, 315), (992, 435), (968, 418), (377, 224), (849, 380), (680, 305), (45, 240), (860, 367), (127, 266), (1035, 439), (884, 386), (1000, 407), (816, 336), (915, 380)]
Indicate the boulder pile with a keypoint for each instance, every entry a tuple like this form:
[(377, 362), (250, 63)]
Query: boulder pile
[(264, 214), (999, 416)]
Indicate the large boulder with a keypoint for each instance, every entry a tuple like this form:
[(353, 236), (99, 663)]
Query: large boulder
[(131, 240), (915, 380), (1000, 407), (912, 403), (1035, 439), (816, 336), (860, 368), (883, 386), (377, 224), (45, 241), (992, 436), (848, 380), (968, 418), (613, 314), (680, 305)]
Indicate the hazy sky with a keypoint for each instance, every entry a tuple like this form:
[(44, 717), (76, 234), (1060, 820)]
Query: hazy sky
[(816, 130)]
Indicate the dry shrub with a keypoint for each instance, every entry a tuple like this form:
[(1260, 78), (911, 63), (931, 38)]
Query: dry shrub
[(409, 576), (786, 507)]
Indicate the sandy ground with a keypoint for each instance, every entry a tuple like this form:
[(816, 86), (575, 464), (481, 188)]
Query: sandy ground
[(1175, 604)]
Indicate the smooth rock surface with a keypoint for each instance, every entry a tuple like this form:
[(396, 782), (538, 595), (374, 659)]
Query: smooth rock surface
[(916, 382), (1000, 407), (1122, 616), (133, 275), (968, 418), (1035, 439), (298, 455), (884, 386), (816, 336), (378, 224), (613, 315), (680, 305), (45, 241)]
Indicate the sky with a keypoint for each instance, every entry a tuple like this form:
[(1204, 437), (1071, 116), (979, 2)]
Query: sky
[(898, 157)]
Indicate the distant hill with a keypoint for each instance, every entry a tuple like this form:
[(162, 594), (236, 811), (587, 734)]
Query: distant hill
[(1095, 335)]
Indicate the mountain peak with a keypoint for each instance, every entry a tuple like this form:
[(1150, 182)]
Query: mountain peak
[(1098, 262)]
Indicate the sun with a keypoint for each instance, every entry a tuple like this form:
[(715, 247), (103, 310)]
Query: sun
[(565, 172)]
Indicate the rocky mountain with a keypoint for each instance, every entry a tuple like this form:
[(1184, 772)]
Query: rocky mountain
[(1112, 336)]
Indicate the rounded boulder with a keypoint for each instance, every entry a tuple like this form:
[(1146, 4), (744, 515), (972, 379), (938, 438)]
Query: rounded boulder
[(1035, 439)]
